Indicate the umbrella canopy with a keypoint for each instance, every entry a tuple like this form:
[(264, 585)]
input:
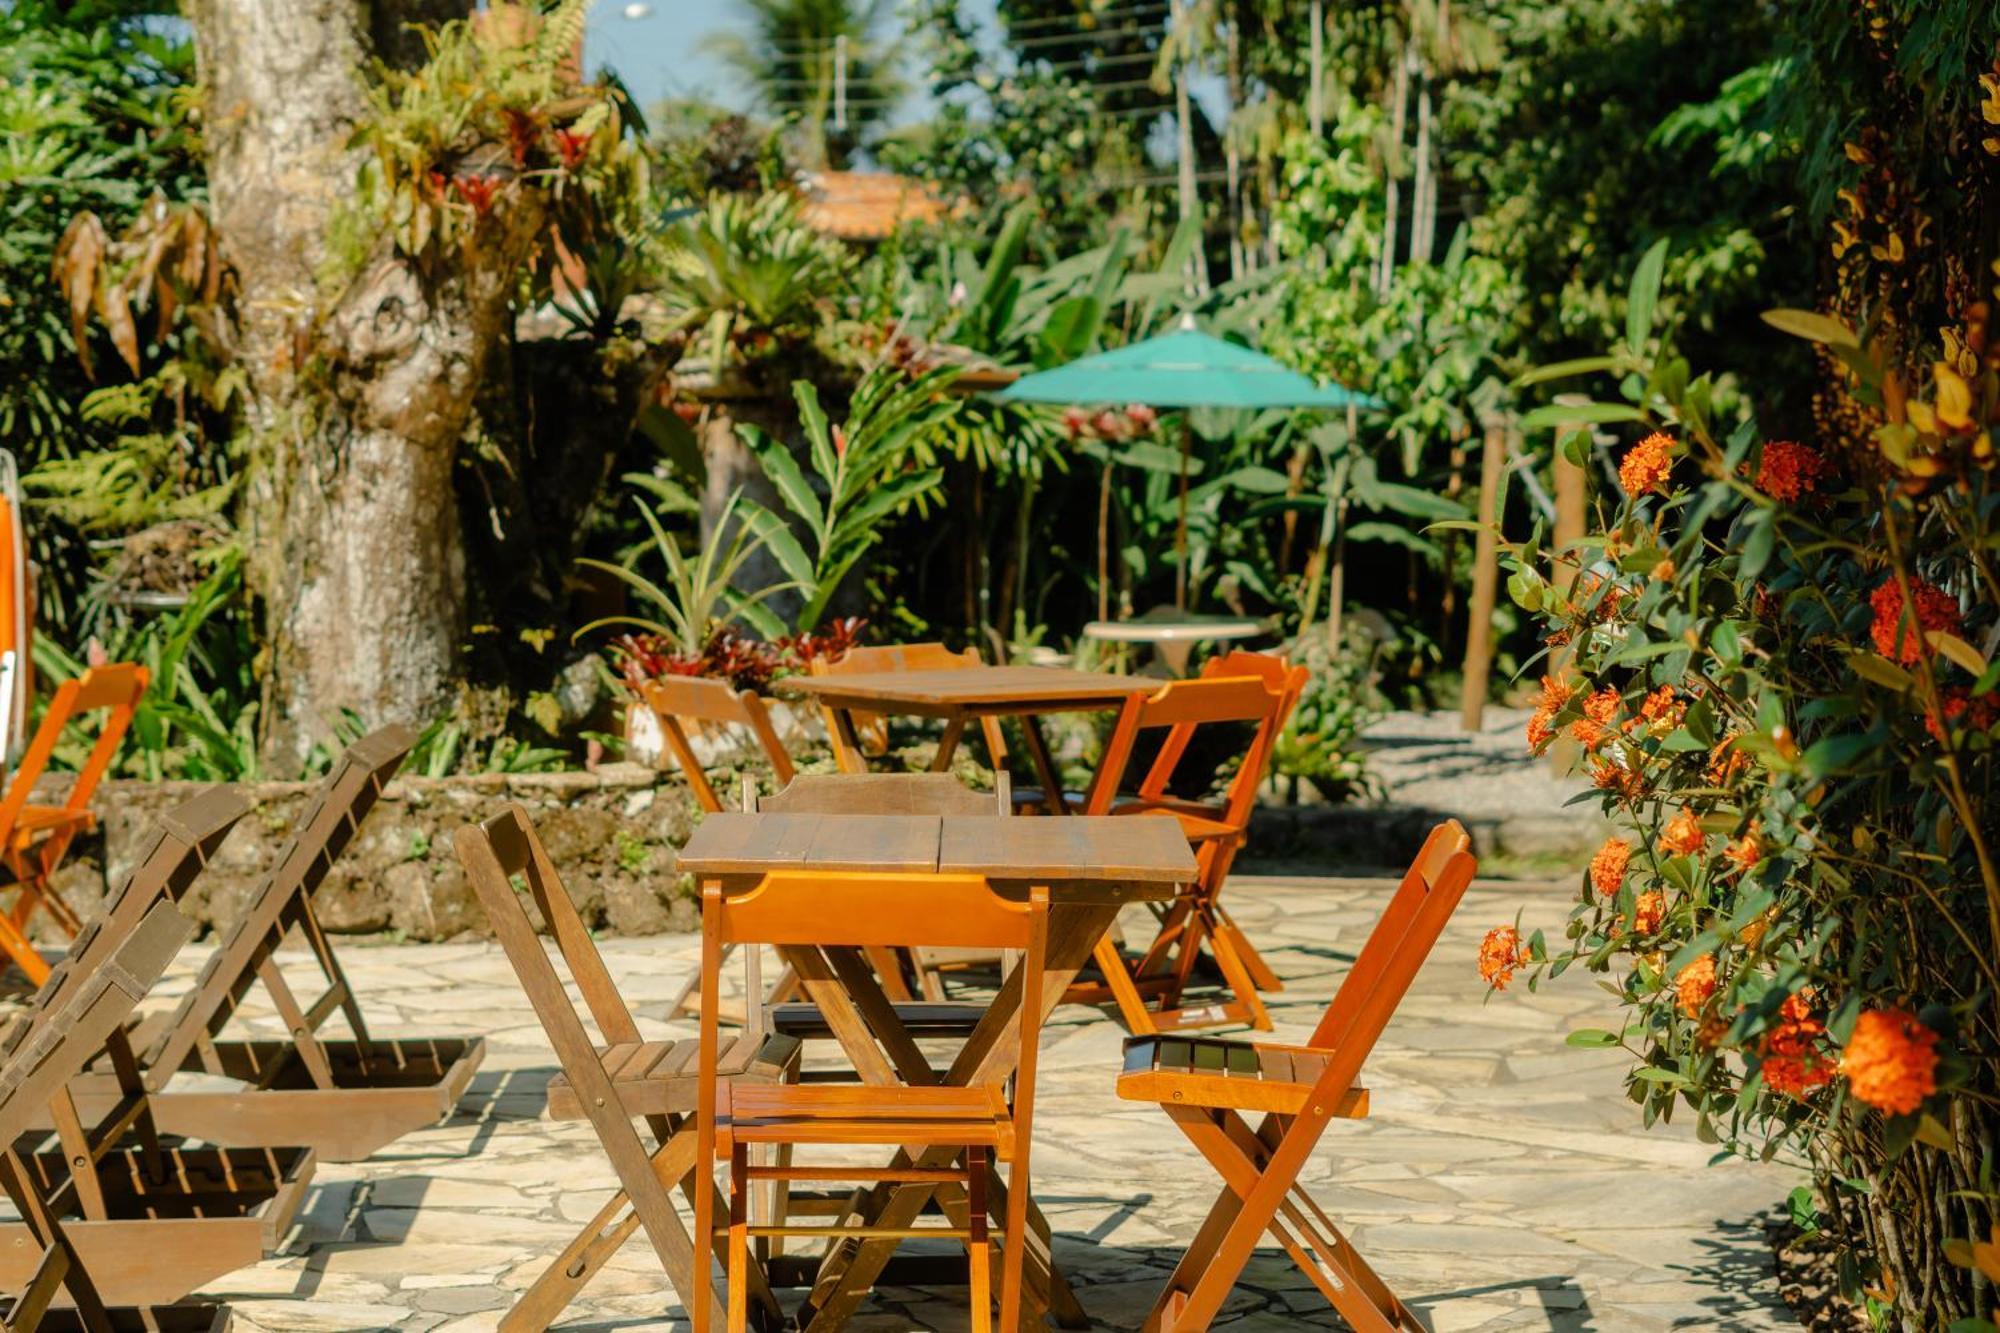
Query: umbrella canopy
[(1186, 368)]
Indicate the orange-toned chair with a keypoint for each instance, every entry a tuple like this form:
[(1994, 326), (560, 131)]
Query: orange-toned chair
[(954, 1130), (873, 728), (35, 838), (1241, 688), (1206, 1086)]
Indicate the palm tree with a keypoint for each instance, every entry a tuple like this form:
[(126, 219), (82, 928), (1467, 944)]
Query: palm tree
[(795, 56)]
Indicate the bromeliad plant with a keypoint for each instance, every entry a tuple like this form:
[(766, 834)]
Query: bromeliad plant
[(1779, 661)]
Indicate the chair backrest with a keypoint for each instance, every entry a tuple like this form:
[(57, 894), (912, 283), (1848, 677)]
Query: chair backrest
[(679, 700), (873, 728), (116, 688), (495, 854), (182, 843), (883, 794), (1181, 707), (284, 899), (91, 1011), (1396, 950)]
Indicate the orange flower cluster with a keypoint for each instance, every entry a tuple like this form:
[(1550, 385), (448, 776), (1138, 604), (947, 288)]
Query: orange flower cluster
[(1936, 610), (1789, 471), (1660, 712), (1614, 776), (1648, 913), (1790, 1058), (1598, 710), (1891, 1061), (1747, 850), (1607, 868), (1694, 985), (1645, 468), (1541, 727), (1961, 708), (1683, 836), (1725, 762), (1500, 956)]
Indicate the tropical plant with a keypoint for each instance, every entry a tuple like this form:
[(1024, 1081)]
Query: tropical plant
[(1779, 659), (751, 278), (1321, 742), (697, 601), (865, 470)]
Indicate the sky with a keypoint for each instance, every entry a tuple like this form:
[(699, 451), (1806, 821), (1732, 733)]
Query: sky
[(659, 55)]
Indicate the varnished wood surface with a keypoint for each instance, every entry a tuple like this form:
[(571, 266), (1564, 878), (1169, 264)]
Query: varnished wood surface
[(986, 688), (1066, 852)]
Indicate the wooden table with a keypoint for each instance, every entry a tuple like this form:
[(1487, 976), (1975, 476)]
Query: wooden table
[(1091, 866), (960, 696)]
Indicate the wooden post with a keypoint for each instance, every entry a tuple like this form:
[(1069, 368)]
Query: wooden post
[(1570, 512), (1485, 578)]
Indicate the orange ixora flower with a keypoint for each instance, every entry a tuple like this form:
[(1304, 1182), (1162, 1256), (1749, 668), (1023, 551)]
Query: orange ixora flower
[(1598, 710), (1607, 868), (1936, 610), (1725, 762), (1747, 850), (1789, 471), (1645, 468), (1500, 956), (1683, 836), (1790, 1058), (1660, 712), (1961, 709), (1648, 912), (1891, 1061), (1541, 727), (1694, 985), (1617, 776)]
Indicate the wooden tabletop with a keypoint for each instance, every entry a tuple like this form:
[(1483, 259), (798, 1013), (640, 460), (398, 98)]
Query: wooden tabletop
[(1079, 851), (1027, 688)]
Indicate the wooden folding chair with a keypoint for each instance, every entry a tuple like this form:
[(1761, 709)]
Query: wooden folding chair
[(1195, 919), (35, 838), (607, 1083), (345, 1098), (74, 1019), (156, 1220), (851, 912), (1206, 1085), (686, 706), (872, 729)]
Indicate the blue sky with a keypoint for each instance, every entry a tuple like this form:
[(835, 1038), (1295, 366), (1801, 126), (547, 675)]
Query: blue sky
[(660, 54)]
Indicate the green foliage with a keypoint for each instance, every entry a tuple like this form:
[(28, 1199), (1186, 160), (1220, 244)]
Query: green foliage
[(1779, 659), (788, 57), (751, 278), (864, 471), (1322, 741), (698, 599)]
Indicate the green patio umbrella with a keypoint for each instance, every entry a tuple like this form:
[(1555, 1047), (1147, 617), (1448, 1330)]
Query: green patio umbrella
[(1185, 368)]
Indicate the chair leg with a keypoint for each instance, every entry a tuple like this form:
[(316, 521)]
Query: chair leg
[(1138, 1019), (1238, 977), (979, 1248), (1260, 971), (1013, 1259), (739, 1240)]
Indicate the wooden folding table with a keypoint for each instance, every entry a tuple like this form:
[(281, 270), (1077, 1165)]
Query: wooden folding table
[(1091, 866), (961, 696)]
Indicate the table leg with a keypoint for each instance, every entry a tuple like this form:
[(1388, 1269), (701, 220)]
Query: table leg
[(846, 743), (989, 1055), (1045, 766), (948, 744)]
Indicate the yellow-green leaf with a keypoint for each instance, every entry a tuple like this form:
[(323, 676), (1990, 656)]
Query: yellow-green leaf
[(1958, 650), (1875, 667), (1812, 325)]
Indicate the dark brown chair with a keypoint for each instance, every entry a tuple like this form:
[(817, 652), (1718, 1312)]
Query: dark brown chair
[(344, 1097), (155, 1220)]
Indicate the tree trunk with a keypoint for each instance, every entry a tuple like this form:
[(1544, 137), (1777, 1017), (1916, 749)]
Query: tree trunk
[(349, 512)]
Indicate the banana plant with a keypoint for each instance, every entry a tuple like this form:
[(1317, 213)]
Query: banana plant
[(865, 471)]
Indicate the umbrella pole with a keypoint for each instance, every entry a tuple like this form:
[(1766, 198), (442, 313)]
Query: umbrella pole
[(1181, 528), (1104, 541)]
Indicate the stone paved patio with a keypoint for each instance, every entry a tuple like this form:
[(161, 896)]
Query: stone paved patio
[(1502, 1183)]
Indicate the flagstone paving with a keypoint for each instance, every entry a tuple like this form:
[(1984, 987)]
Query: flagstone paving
[(1503, 1181)]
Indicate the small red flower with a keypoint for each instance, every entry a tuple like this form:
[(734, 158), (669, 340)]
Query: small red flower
[(1789, 471), (478, 191), (572, 147)]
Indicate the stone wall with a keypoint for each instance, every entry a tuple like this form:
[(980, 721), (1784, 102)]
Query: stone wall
[(613, 833)]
